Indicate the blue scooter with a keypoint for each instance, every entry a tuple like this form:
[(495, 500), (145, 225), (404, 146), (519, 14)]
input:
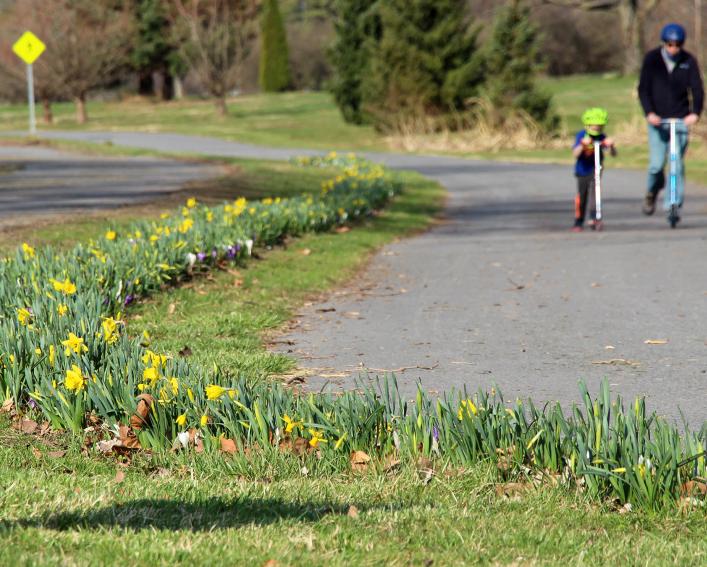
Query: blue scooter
[(674, 208)]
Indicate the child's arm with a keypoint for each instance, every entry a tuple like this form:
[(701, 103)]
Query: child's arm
[(609, 143), (582, 145)]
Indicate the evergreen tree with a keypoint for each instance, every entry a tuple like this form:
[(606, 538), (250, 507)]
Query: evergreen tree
[(349, 57), (423, 61), (274, 56), (152, 50), (511, 57)]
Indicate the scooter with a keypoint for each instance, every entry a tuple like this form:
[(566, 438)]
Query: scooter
[(673, 210), (598, 224)]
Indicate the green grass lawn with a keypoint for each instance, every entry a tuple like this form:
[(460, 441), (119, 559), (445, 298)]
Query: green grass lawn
[(304, 120), (206, 509)]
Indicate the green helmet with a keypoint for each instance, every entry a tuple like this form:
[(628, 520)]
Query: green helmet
[(595, 117)]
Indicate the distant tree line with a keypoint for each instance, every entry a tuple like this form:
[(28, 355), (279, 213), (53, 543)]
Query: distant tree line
[(402, 63)]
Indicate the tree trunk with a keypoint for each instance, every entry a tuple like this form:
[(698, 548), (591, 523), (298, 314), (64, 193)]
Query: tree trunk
[(178, 88), (48, 116), (81, 114), (146, 84), (167, 85), (632, 23), (221, 107)]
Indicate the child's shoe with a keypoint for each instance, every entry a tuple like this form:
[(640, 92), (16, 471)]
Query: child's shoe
[(577, 228), (596, 224)]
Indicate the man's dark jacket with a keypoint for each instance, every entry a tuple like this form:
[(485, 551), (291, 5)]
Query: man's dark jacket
[(671, 95)]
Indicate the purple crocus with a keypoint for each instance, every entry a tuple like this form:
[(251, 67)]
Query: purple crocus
[(231, 252), (32, 404), (200, 256), (129, 299), (435, 433), (214, 253)]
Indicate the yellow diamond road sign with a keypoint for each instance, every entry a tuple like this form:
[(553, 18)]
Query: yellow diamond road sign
[(29, 47)]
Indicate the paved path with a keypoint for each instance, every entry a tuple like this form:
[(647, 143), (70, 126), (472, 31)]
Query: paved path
[(503, 292), (40, 181)]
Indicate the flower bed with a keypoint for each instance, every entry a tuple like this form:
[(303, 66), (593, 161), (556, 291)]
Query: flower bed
[(63, 351)]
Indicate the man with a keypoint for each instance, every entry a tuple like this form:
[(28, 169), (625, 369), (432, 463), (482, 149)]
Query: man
[(670, 87)]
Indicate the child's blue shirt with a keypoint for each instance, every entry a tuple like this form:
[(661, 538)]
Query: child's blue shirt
[(585, 161)]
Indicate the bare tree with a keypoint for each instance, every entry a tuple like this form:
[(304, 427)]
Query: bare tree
[(87, 43), (219, 35), (633, 15)]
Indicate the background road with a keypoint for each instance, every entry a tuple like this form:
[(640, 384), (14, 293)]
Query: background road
[(40, 181), (501, 292)]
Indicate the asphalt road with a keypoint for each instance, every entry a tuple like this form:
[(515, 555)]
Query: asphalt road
[(37, 181), (502, 293)]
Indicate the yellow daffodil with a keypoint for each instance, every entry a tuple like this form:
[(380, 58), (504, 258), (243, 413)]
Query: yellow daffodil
[(75, 344), (185, 225), (204, 421), (317, 437), (24, 316), (209, 216), (174, 383), (27, 250), (214, 392), (52, 355), (66, 287), (110, 235), (191, 202), (62, 309), (290, 424), (74, 380), (110, 330), (190, 394), (181, 420), (150, 375)]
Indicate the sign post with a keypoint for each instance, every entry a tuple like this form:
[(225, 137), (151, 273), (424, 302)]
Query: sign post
[(28, 48)]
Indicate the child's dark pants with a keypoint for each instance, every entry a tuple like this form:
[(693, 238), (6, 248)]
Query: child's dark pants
[(585, 192)]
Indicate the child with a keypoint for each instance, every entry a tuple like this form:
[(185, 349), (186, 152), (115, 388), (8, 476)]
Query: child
[(594, 120)]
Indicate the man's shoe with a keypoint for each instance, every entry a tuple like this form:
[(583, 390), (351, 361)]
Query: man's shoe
[(649, 204)]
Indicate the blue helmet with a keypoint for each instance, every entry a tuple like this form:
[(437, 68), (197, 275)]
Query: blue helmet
[(673, 32)]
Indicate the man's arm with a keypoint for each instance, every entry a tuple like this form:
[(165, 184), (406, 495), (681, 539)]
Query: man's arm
[(644, 89), (696, 88)]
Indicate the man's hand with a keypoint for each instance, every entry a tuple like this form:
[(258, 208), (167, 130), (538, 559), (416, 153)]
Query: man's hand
[(691, 119), (654, 119), (608, 143)]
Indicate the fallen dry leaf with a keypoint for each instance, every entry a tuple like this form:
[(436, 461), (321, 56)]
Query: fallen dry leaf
[(228, 446), (305, 252), (28, 426), (655, 341), (596, 284), (270, 563), (56, 454), (7, 406), (694, 488), (128, 439), (186, 351), (352, 315), (36, 452), (352, 512), (359, 461), (512, 490), (391, 464), (142, 413), (119, 476), (342, 229), (171, 309)]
